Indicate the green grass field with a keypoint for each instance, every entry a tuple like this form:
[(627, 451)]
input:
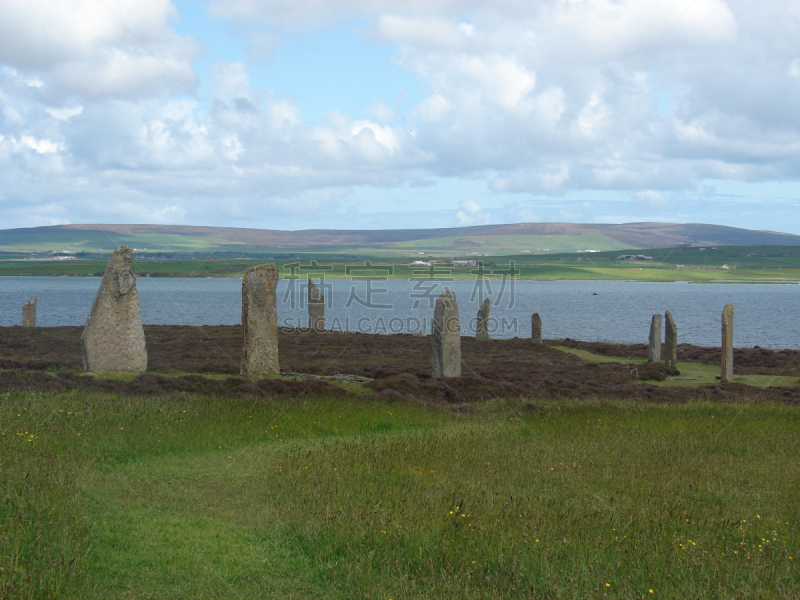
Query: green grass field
[(745, 263), (185, 497)]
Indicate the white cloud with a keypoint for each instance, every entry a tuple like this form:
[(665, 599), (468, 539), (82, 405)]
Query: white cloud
[(643, 98), (65, 113), (39, 146), (115, 47), (304, 15), (433, 108), (383, 135), (471, 213), (468, 29), (230, 81)]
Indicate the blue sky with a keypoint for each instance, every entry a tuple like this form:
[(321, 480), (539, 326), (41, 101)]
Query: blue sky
[(395, 114)]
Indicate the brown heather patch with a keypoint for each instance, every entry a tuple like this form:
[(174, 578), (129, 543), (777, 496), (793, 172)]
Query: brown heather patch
[(180, 357)]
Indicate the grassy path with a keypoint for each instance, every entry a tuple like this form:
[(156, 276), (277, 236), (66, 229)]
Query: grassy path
[(184, 497), (692, 374)]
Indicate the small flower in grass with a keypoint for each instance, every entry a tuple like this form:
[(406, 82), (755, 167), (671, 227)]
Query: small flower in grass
[(650, 591), (608, 585)]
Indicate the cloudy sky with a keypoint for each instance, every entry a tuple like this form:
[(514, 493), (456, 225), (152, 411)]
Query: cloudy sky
[(374, 114)]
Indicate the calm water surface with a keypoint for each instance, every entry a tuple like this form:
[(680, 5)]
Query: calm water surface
[(615, 311)]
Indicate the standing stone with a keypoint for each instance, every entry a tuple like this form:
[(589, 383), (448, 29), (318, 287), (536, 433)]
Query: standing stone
[(670, 341), (727, 343), (316, 307), (536, 329), (482, 325), (29, 313), (654, 349), (260, 320), (113, 338), (446, 337)]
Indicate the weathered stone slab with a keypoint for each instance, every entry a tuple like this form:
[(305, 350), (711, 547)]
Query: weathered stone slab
[(670, 340), (482, 324), (727, 343), (446, 337), (316, 307), (654, 348), (29, 313), (113, 338), (536, 329), (260, 321)]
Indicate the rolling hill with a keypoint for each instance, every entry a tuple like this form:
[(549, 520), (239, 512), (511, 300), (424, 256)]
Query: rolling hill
[(536, 238)]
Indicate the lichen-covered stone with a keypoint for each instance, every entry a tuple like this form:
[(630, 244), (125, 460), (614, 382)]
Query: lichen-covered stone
[(446, 337), (113, 338), (29, 313), (536, 329), (670, 340), (727, 343), (654, 347), (260, 321), (482, 324), (316, 307)]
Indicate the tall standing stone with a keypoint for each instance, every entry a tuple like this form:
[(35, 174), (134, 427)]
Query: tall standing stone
[(446, 337), (670, 340), (727, 343), (654, 348), (113, 338), (536, 329), (316, 307), (29, 313), (482, 324), (260, 320)]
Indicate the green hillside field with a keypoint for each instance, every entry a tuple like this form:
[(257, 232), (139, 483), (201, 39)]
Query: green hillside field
[(103, 242), (744, 263)]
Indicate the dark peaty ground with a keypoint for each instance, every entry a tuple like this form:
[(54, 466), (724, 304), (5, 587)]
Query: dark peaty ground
[(398, 365)]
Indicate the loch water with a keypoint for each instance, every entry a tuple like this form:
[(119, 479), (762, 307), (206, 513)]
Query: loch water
[(765, 315)]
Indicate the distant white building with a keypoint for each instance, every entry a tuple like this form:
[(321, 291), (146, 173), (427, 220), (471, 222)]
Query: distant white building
[(633, 257)]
